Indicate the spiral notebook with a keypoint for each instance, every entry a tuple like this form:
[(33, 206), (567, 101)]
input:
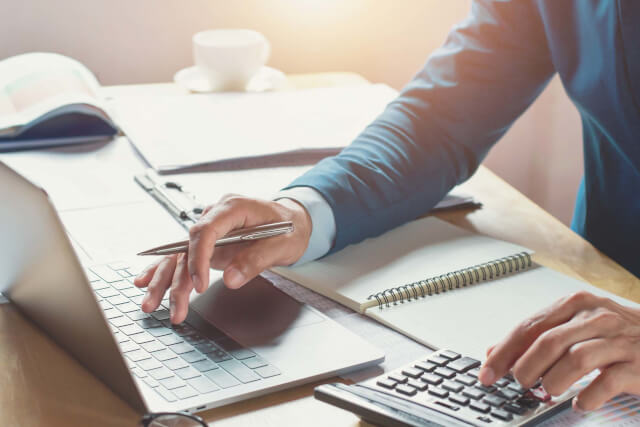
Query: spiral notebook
[(439, 284)]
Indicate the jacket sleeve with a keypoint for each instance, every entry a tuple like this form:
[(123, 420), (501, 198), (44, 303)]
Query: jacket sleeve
[(436, 132)]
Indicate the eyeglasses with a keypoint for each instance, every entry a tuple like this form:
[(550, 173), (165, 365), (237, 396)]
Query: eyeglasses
[(172, 419)]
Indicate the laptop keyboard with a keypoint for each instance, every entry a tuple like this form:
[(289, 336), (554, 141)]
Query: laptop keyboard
[(177, 361)]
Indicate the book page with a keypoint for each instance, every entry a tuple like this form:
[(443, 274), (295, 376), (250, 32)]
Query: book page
[(415, 251), (469, 320)]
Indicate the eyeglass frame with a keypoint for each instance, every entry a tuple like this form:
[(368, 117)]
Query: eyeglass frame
[(147, 419)]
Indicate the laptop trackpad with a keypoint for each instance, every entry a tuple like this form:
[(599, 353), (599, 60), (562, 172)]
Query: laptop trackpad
[(256, 314)]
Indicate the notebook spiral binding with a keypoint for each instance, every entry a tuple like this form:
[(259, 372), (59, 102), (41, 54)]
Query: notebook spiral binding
[(453, 280)]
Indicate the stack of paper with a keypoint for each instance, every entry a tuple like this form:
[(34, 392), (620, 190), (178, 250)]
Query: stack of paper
[(226, 130)]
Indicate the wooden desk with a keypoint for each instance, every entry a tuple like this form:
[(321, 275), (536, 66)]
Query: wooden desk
[(42, 385)]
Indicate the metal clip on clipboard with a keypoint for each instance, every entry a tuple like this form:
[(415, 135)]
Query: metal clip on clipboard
[(180, 203)]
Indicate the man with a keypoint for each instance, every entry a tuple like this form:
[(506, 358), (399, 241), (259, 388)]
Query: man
[(432, 137)]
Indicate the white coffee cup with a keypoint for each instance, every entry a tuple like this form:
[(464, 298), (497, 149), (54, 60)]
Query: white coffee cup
[(230, 57)]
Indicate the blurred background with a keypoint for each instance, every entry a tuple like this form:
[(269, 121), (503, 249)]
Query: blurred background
[(124, 41)]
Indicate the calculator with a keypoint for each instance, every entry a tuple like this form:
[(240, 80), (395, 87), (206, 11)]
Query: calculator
[(442, 389)]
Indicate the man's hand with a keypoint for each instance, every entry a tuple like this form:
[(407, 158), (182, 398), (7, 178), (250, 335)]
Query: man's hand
[(568, 340), (240, 262)]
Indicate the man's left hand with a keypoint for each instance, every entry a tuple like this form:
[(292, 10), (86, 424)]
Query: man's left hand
[(568, 340)]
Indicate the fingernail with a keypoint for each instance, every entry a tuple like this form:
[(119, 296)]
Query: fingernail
[(235, 278), (196, 282), (486, 375)]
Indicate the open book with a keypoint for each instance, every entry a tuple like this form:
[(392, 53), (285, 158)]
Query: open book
[(439, 284), (48, 99)]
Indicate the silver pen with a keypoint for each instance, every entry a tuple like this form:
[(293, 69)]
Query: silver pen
[(236, 236)]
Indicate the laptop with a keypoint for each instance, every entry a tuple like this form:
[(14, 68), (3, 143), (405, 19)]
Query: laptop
[(233, 346)]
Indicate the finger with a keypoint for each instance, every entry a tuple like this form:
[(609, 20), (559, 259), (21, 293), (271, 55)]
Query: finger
[(202, 238), (507, 352), (181, 287), (143, 279), (252, 261), (611, 382), (583, 358), (223, 256), (159, 283), (551, 345), (490, 350)]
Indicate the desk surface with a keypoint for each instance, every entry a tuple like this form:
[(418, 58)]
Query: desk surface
[(42, 385)]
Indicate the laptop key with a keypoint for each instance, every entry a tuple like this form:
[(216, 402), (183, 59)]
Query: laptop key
[(120, 321), (222, 378), (186, 373), (91, 276), (255, 362), (160, 373), (131, 329), (161, 314), (99, 285), (149, 364), (138, 372), (242, 353), (185, 392), (218, 356), (159, 332), (170, 339), (149, 322), (239, 371), (175, 363), (150, 381), (141, 337), (128, 307), (152, 346), (132, 292), (164, 354), (121, 285), (128, 346), (193, 356), (204, 365), (180, 348), (137, 315), (206, 347), (267, 371), (172, 382), (166, 394), (105, 273), (118, 265), (107, 292), (138, 355), (202, 384)]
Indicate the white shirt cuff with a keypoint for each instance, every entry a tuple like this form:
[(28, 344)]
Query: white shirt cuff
[(323, 224)]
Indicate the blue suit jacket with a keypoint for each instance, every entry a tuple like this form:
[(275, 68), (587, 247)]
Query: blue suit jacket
[(490, 69)]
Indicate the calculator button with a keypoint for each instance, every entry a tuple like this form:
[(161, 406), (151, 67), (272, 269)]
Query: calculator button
[(412, 372), (502, 382), (426, 366), (501, 414), (463, 364), (460, 400), (446, 405), (431, 379), (473, 393), (474, 372), (452, 386), (528, 402), (398, 378), (448, 354), (517, 388), (438, 360), (466, 380), (541, 394), (418, 385), (494, 400), (480, 407), (507, 394), (436, 391), (485, 388), (406, 390), (445, 372), (514, 408), (386, 383)]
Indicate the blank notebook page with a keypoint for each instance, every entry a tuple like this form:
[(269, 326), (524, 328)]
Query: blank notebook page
[(415, 251)]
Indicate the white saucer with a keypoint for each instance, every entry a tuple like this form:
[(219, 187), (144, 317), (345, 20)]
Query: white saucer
[(266, 78)]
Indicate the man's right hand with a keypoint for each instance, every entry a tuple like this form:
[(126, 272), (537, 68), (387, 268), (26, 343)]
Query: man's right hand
[(241, 262)]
